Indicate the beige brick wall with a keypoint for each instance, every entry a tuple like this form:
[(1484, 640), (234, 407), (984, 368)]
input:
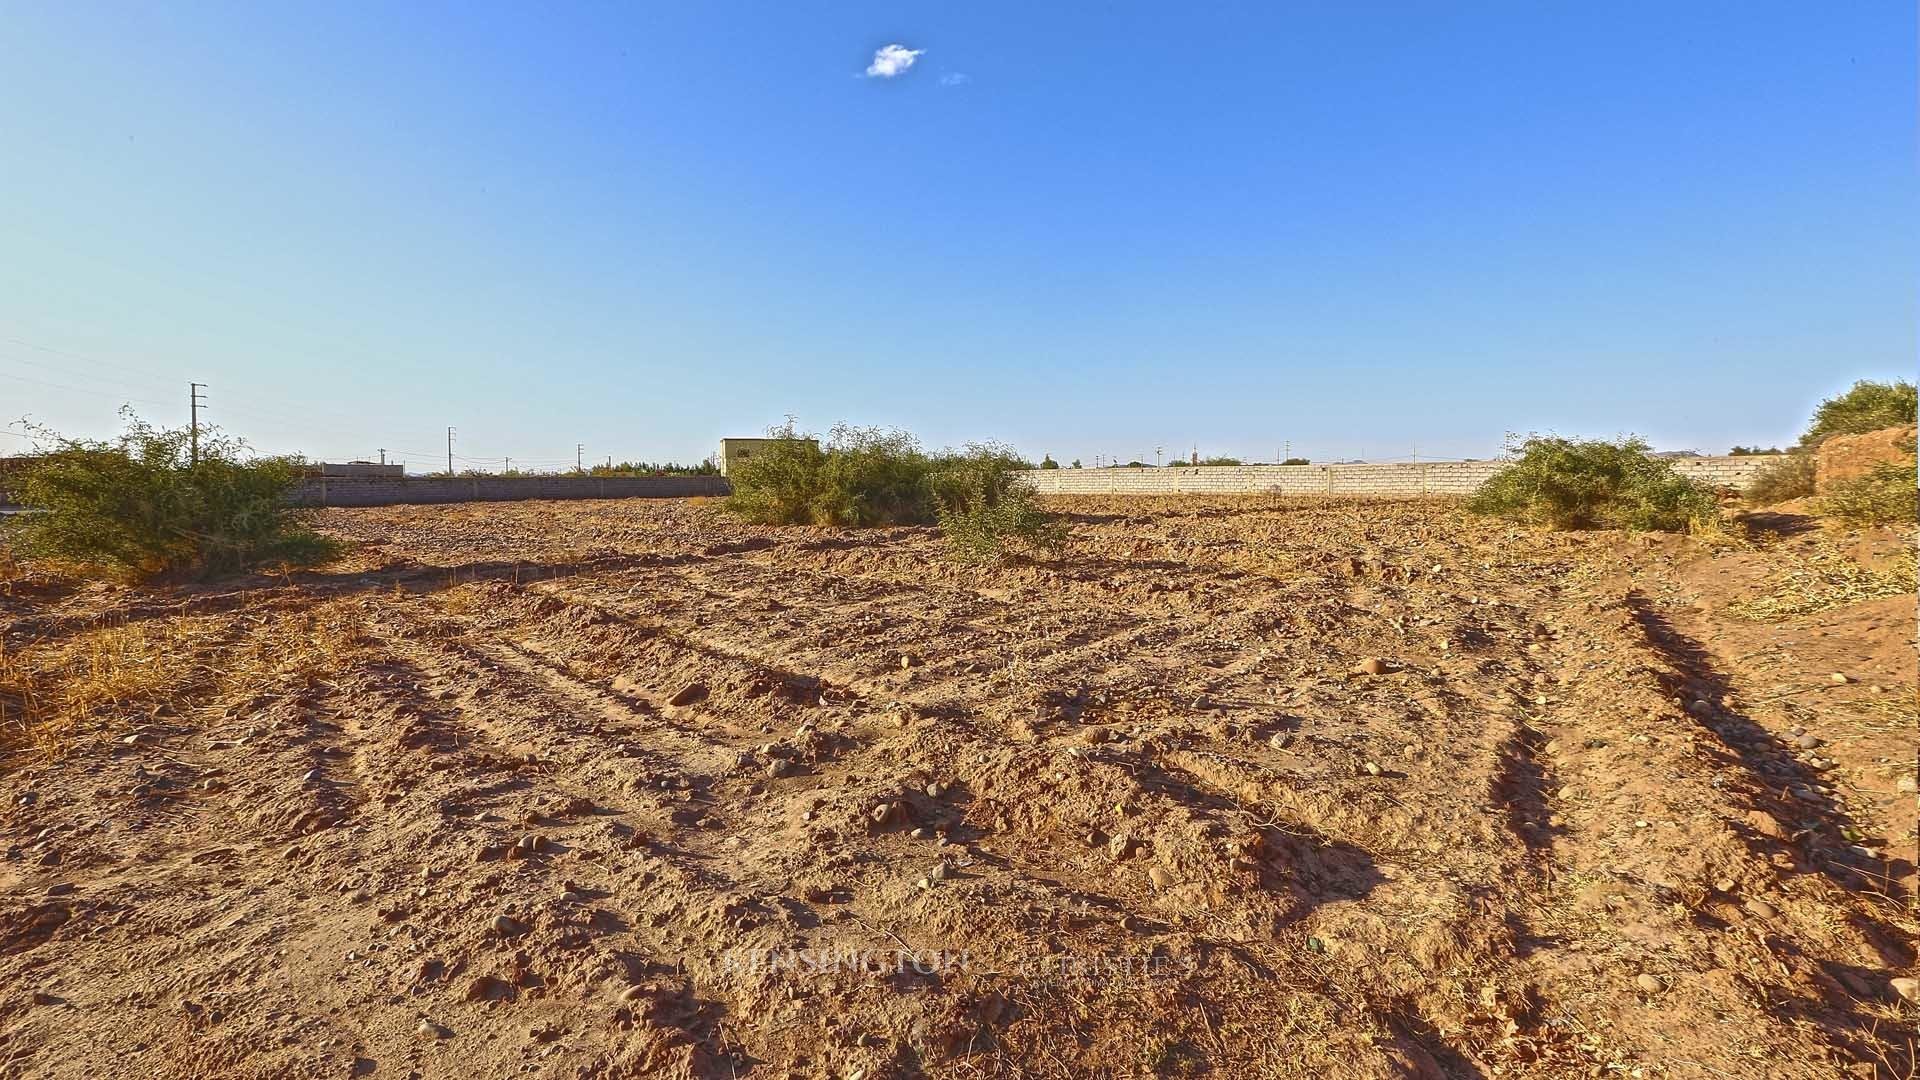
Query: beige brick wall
[(1384, 480)]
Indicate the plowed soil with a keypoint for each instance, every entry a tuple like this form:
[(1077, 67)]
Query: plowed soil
[(1232, 788)]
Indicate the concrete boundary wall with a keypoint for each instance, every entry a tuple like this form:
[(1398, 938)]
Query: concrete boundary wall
[(364, 491), (1366, 480)]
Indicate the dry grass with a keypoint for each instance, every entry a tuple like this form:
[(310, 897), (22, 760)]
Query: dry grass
[(1828, 578), (95, 683), (53, 697)]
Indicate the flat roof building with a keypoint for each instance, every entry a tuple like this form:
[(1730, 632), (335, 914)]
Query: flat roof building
[(735, 451)]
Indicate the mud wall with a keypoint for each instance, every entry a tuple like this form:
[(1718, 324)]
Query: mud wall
[(1383, 480), (368, 491)]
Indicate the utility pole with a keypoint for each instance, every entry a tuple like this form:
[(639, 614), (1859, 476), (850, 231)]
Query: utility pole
[(449, 451), (1286, 449), (193, 425), (1157, 452), (383, 455), (509, 468), (578, 449)]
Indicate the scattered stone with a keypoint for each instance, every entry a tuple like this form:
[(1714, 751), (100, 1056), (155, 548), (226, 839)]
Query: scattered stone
[(936, 789), (533, 844), (634, 993), (688, 694), (1120, 846), (1759, 908), (941, 871), (1839, 678), (1806, 742), (507, 926), (28, 798), (1648, 984), (1907, 785), (1372, 665), (1725, 885), (778, 768), (486, 988), (909, 660), (41, 997), (1701, 709), (310, 776), (1907, 988), (430, 1030), (1280, 740), (1161, 878), (64, 888), (1372, 768)]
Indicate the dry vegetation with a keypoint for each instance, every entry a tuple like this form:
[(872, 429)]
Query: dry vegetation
[(1228, 788)]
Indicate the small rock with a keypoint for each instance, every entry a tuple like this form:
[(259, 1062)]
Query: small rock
[(64, 888), (485, 988), (1907, 988), (1372, 768), (1907, 785), (1160, 878), (1839, 678), (41, 997), (1372, 665), (688, 694), (936, 789), (1700, 708), (1648, 984), (634, 993), (310, 776), (430, 1030), (1280, 740), (1759, 908), (941, 871), (507, 926), (1120, 846), (28, 798), (533, 844), (1806, 742), (1725, 885)]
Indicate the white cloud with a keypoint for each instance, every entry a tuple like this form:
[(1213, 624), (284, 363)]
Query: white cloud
[(955, 78), (891, 60)]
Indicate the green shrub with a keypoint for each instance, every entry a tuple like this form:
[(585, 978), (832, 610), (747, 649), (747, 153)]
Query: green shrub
[(1868, 406), (984, 509), (139, 505), (1885, 496), (857, 477), (871, 476), (1587, 484), (1790, 477)]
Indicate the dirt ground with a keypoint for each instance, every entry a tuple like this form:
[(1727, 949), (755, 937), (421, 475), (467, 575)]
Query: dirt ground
[(1234, 788)]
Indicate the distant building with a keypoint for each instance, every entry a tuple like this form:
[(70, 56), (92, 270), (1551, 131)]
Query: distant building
[(735, 451), (363, 469)]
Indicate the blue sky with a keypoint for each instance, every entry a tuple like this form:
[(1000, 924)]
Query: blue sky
[(1354, 229)]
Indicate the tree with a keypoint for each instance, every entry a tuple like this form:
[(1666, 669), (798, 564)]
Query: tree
[(1047, 462), (1868, 406)]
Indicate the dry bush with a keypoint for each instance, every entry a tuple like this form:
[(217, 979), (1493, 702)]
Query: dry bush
[(1789, 477), (1828, 578), (1885, 496)]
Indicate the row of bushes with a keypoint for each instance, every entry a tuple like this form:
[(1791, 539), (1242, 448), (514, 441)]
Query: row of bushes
[(872, 476)]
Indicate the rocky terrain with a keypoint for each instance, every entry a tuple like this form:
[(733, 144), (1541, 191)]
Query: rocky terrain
[(1231, 788)]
